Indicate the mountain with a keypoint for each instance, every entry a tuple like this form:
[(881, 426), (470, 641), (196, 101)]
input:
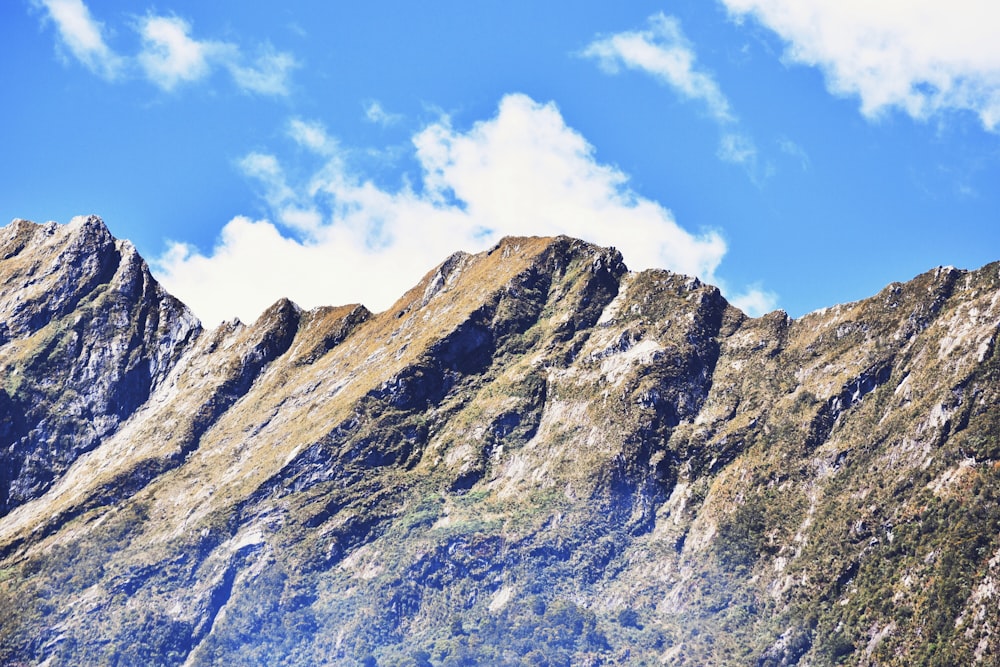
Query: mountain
[(534, 457)]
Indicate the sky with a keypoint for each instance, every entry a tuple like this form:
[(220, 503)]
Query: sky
[(795, 153)]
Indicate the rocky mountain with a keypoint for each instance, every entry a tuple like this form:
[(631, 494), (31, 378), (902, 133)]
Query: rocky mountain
[(535, 457)]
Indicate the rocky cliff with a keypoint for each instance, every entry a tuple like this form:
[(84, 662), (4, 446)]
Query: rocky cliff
[(534, 457)]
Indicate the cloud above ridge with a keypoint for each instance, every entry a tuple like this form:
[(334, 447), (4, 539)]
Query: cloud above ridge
[(336, 237), (923, 57)]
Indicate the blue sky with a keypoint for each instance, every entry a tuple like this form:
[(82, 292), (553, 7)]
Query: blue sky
[(797, 153)]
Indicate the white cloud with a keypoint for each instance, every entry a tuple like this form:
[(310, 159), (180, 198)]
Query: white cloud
[(738, 149), (755, 301), (921, 56), (269, 75), (267, 170), (83, 36), (376, 114), (338, 238), (792, 149), (312, 135), (170, 56), (253, 265), (526, 172), (291, 208), (663, 52)]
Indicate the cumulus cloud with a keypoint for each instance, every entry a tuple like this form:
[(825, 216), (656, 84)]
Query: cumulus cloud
[(665, 53), (169, 54), (83, 36), (253, 265), (338, 238), (923, 57)]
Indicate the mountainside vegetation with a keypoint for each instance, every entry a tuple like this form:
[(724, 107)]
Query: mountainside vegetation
[(534, 457)]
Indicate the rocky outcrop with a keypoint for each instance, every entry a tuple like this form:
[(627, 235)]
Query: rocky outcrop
[(87, 335), (534, 457)]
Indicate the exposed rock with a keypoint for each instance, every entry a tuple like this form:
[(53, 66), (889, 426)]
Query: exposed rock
[(534, 456), (87, 336)]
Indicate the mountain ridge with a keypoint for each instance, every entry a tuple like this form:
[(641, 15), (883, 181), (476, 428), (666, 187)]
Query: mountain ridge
[(532, 443)]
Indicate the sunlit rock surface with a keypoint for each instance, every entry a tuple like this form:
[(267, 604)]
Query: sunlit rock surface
[(534, 457)]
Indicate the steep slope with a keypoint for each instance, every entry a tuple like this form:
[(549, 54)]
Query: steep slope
[(85, 335), (858, 523), (534, 457)]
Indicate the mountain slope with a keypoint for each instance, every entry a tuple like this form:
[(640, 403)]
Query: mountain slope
[(534, 457), (87, 335)]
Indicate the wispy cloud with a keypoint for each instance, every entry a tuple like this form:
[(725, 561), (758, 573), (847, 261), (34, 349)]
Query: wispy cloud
[(312, 135), (923, 57), (663, 52), (269, 74), (376, 114), (522, 172), (266, 169), (83, 36), (169, 55), (737, 148), (792, 149)]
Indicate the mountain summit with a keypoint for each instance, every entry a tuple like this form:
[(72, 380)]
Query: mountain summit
[(535, 456)]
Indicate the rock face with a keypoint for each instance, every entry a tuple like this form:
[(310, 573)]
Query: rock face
[(534, 457), (87, 335)]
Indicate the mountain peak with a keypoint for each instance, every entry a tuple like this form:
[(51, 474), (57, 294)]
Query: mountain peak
[(534, 455), (85, 333)]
